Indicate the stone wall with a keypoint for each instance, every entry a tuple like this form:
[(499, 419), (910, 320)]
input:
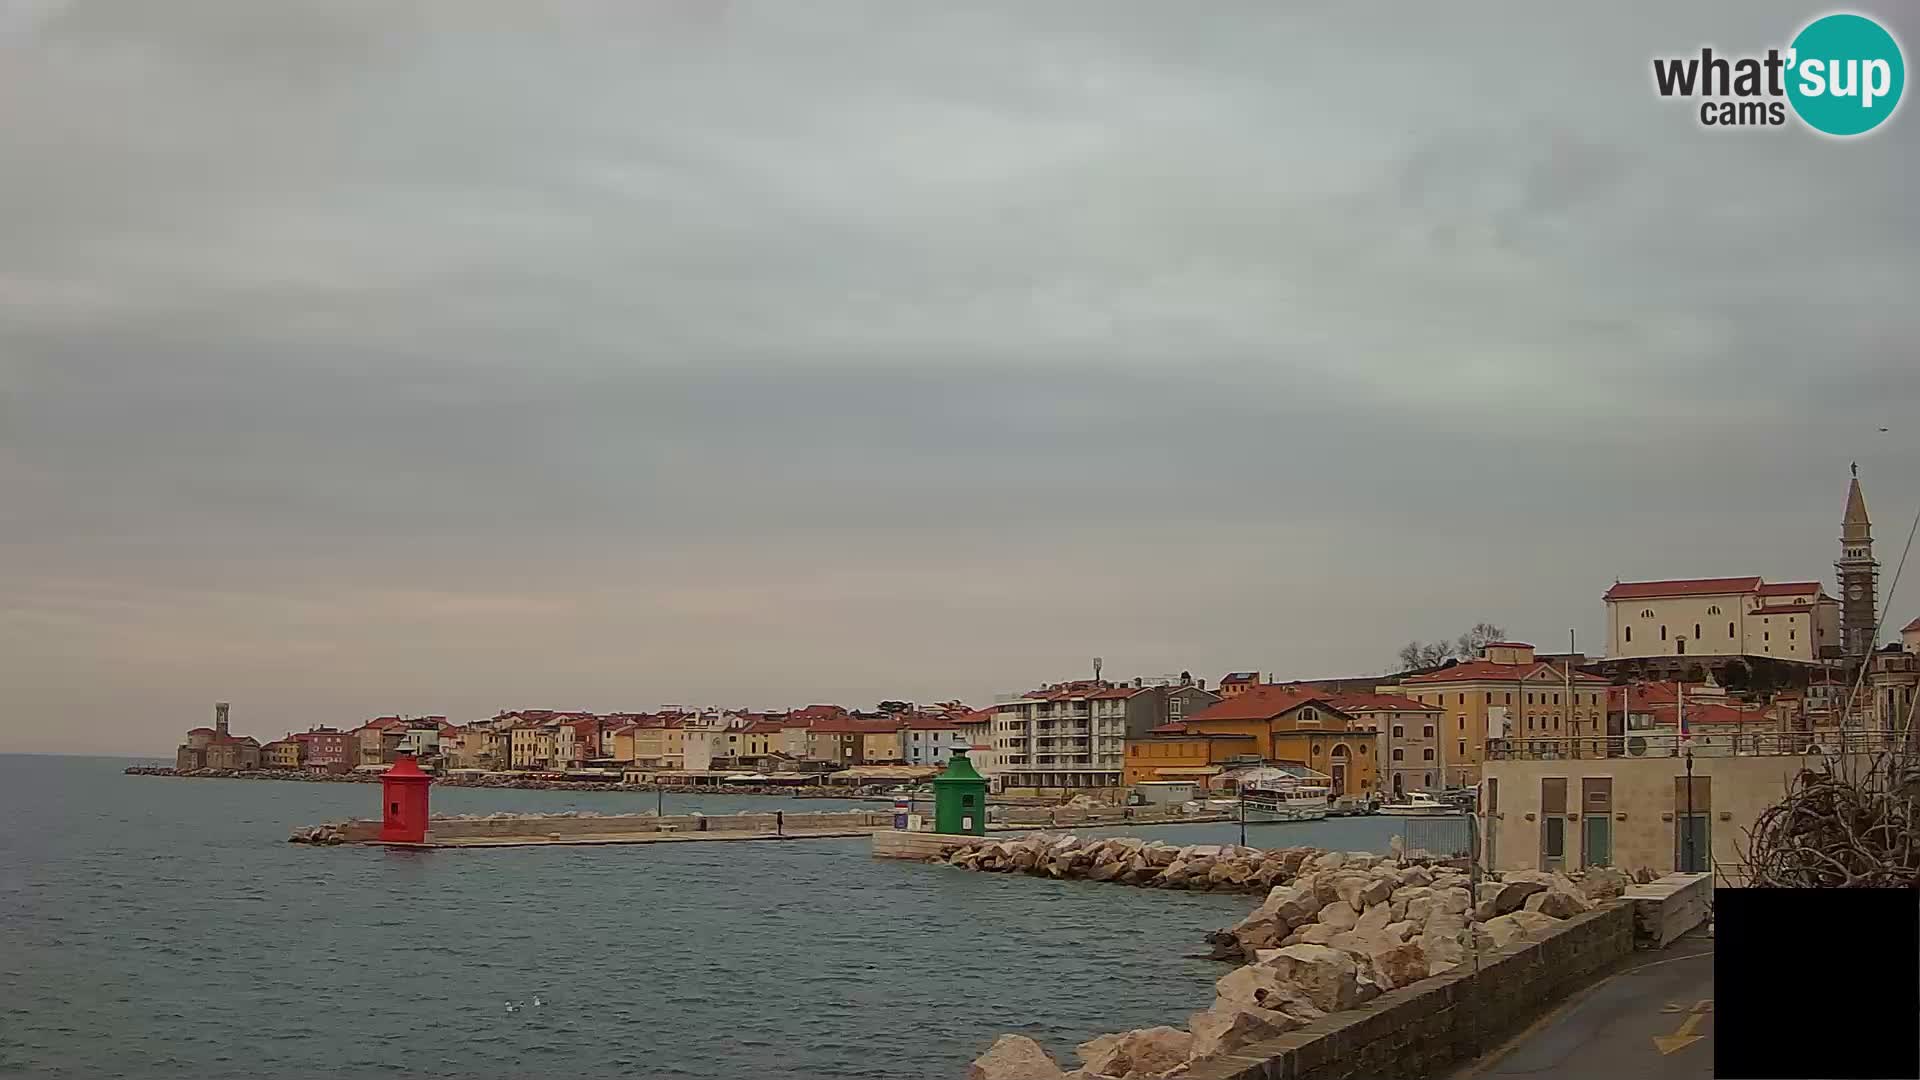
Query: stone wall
[(1430, 1026)]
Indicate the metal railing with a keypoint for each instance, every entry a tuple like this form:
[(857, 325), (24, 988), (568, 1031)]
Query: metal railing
[(1714, 743)]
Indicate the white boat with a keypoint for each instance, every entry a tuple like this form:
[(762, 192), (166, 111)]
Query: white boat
[(1293, 802), (1419, 804)]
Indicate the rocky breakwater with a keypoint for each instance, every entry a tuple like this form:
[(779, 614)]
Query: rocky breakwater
[(1342, 928), (1130, 860), (518, 782), (328, 834)]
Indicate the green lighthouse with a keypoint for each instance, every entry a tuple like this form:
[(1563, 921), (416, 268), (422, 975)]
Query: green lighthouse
[(960, 799)]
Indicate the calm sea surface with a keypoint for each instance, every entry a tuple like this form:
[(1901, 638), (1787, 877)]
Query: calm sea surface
[(158, 927)]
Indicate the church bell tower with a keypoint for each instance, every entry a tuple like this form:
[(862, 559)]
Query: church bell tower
[(1858, 574)]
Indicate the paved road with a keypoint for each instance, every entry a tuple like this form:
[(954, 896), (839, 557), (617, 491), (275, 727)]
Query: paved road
[(1652, 1021)]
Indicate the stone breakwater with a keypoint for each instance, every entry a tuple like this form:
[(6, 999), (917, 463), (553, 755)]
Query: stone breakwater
[(515, 783), (1335, 930)]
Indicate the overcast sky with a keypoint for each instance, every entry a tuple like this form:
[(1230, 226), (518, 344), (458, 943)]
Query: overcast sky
[(371, 357)]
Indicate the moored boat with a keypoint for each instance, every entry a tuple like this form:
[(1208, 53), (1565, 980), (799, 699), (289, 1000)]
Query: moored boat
[(1419, 804)]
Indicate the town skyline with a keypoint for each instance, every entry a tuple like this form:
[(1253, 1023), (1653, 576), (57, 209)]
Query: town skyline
[(655, 379)]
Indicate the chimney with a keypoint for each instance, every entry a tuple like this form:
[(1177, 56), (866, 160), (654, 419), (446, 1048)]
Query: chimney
[(220, 718), (1202, 684)]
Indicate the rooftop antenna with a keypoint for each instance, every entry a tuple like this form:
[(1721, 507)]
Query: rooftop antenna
[(1096, 668)]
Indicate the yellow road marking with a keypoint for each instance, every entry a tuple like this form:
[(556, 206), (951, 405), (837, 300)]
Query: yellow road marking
[(1684, 1037)]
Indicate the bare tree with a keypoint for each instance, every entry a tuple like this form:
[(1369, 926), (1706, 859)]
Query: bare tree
[(1478, 637), (1416, 655)]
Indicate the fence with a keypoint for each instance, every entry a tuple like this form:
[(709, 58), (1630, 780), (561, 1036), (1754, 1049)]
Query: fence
[(1441, 837), (1703, 742)]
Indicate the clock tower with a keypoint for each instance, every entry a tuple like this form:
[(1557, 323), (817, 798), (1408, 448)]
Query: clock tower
[(1859, 575)]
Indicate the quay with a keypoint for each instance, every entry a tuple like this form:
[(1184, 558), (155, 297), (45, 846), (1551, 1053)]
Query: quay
[(545, 830)]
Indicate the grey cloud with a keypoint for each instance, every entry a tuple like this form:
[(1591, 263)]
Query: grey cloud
[(454, 355)]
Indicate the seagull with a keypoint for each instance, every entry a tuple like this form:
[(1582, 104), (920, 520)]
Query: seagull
[(536, 1001), (512, 1008)]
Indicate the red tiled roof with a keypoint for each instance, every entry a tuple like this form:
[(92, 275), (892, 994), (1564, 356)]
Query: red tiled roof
[(1800, 608), (1487, 670), (1355, 703), (1646, 590), (1911, 627), (1261, 703), (1174, 727), (201, 731), (1237, 677), (1115, 693), (765, 727), (932, 723), (850, 726), (1713, 714), (1788, 588), (818, 712), (1508, 645)]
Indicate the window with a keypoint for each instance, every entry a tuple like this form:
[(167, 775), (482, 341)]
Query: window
[(1714, 610), (1399, 731), (1696, 631), (1646, 613), (1399, 754), (1428, 733), (1463, 748), (1509, 700), (1529, 699), (1729, 629), (1629, 633), (1427, 753), (1529, 723), (1663, 632), (1764, 636), (1556, 699), (1463, 699), (1793, 635), (1429, 780)]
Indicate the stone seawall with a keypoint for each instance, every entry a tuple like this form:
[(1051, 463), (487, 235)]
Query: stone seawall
[(1440, 1022), (572, 826)]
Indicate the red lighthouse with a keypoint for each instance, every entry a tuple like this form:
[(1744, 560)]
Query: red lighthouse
[(403, 793)]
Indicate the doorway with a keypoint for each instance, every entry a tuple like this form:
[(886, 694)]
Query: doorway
[(1596, 847), (1693, 843)]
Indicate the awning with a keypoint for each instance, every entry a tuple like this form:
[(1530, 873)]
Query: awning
[(1191, 770)]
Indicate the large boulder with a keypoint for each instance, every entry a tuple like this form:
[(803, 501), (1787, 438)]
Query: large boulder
[(1331, 860), (1148, 1050), (1377, 890), (1443, 940), (1558, 903), (1261, 930), (1452, 901), (1512, 896), (1292, 904), (1014, 1057), (1400, 931), (1313, 934), (1399, 965), (1340, 915), (1221, 1031), (1416, 876), (1325, 975), (1604, 883), (1373, 921), (1518, 926)]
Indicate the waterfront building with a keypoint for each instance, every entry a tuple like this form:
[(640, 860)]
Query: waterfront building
[(327, 749), (576, 741), (1506, 693), (931, 740), (1278, 725), (1910, 636), (281, 754), (847, 741), (377, 740), (1064, 738), (1543, 808), (1406, 737), (659, 743)]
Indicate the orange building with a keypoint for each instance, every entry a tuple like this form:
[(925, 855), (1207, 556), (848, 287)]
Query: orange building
[(1280, 724)]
